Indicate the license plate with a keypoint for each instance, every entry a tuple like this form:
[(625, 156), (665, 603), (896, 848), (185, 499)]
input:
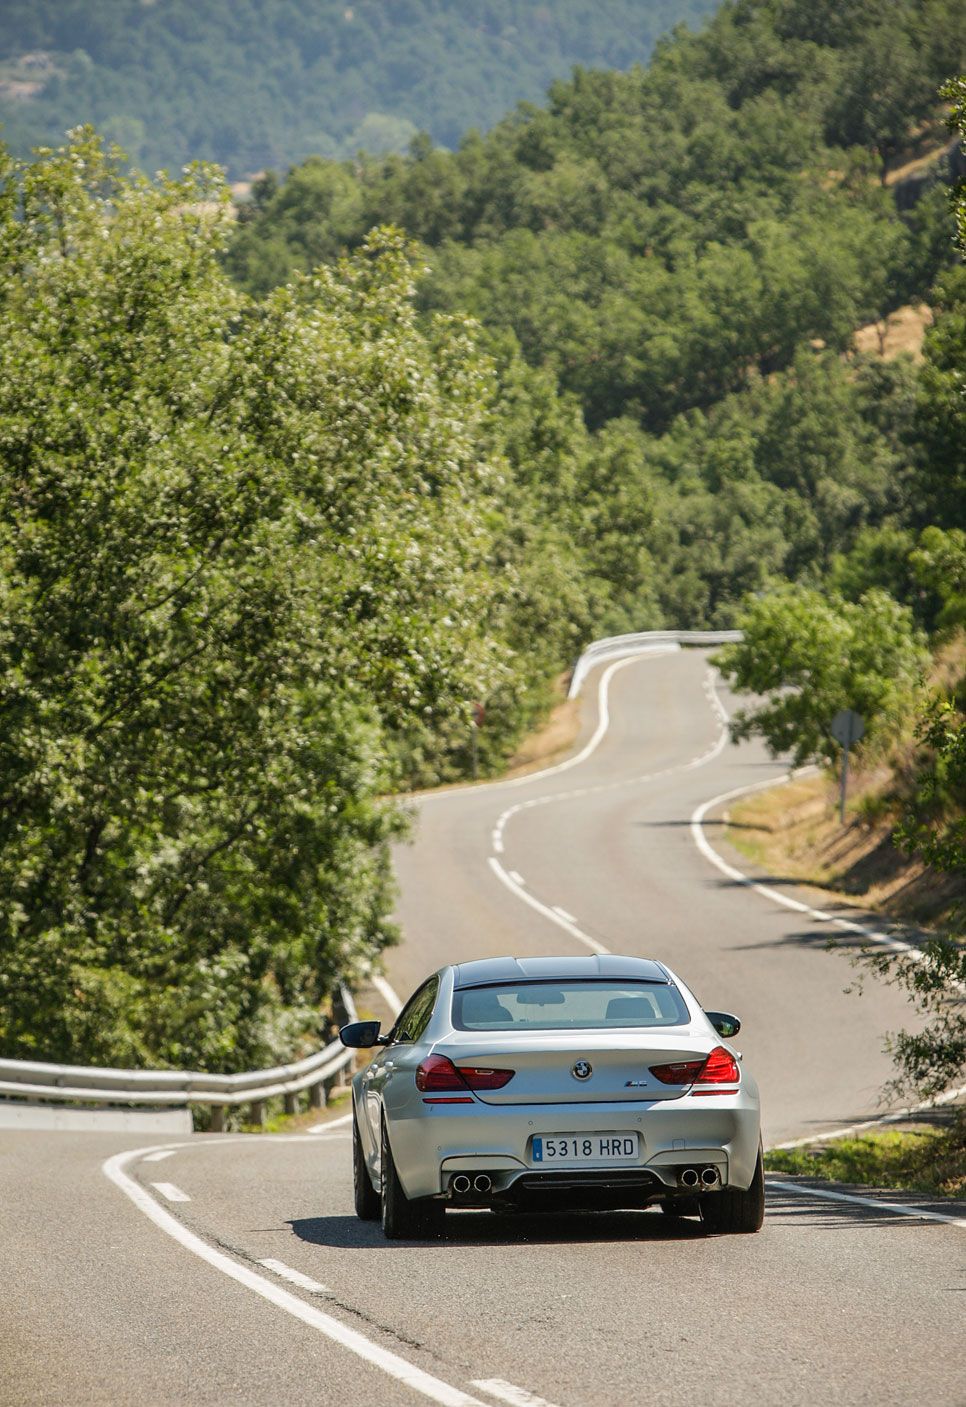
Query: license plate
[(585, 1148)]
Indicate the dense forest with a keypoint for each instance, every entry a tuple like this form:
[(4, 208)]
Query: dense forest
[(681, 256), (255, 83), (283, 495)]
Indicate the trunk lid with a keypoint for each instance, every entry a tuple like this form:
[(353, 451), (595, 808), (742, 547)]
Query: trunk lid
[(547, 1065)]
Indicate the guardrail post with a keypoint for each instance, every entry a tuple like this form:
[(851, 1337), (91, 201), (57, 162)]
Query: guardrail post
[(217, 1118), (291, 1103), (317, 1096), (256, 1114)]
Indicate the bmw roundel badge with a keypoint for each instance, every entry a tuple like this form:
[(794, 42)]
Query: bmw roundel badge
[(582, 1070)]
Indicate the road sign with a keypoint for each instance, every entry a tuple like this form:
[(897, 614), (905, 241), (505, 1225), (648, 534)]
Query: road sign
[(847, 727)]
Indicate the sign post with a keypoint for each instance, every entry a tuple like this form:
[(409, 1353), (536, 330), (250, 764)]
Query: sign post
[(847, 728), (479, 713)]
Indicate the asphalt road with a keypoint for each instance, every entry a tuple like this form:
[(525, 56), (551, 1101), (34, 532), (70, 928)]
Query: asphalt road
[(114, 1293)]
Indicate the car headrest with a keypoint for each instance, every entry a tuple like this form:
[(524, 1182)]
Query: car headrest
[(643, 1009), (484, 1007)]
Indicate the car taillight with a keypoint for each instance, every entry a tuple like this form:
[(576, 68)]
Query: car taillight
[(684, 1072), (478, 1078), (720, 1068), (437, 1072)]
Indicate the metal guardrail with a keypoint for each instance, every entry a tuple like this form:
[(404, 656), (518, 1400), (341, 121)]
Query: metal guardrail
[(39, 1080), (642, 643)]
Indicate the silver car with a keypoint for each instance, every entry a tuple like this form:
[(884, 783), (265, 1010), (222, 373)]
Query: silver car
[(551, 1084)]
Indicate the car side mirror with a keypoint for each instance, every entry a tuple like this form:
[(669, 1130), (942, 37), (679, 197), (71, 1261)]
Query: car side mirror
[(724, 1023), (361, 1035)]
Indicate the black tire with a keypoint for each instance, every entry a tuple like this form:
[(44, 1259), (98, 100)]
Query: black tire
[(733, 1211), (364, 1194), (404, 1219)]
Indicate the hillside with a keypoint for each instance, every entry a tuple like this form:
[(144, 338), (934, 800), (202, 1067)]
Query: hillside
[(683, 254), (263, 83)]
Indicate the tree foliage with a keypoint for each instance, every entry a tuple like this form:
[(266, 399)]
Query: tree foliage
[(256, 83), (809, 654), (683, 254), (244, 556), (932, 1058)]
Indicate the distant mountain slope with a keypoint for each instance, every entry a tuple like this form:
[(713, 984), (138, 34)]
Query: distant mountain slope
[(255, 83)]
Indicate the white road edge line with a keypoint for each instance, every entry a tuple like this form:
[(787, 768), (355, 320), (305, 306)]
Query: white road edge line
[(766, 890), (896, 1116), (390, 1363), (331, 1123), (571, 918), (602, 725), (513, 881), (285, 1272), (918, 1213), (506, 1392), (173, 1194), (157, 1157), (848, 925)]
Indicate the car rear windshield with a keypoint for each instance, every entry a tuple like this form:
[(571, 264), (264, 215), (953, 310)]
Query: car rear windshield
[(598, 1005)]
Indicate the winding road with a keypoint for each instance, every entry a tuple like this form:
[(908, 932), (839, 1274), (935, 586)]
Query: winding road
[(221, 1269)]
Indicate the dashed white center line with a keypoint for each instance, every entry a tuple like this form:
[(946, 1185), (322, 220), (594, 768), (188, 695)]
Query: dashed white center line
[(564, 914), (517, 878), (285, 1272), (506, 1392), (521, 893), (173, 1194), (157, 1157)]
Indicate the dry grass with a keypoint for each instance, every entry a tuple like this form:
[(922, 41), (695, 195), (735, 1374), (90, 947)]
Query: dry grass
[(553, 739), (901, 333), (793, 831)]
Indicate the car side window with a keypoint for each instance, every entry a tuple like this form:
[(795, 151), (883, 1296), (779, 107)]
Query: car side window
[(414, 1017)]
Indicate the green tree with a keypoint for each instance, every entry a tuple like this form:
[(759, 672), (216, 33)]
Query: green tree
[(933, 827), (241, 558), (809, 654)]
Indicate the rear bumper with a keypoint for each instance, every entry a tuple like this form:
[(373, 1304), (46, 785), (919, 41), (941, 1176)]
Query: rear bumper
[(432, 1143)]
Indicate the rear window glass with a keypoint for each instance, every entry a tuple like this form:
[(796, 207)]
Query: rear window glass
[(562, 1006)]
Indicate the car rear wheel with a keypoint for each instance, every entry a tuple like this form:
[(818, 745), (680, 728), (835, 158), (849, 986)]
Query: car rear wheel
[(364, 1194), (404, 1218), (733, 1210)]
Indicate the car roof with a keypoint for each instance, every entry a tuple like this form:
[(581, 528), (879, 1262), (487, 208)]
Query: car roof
[(605, 965)]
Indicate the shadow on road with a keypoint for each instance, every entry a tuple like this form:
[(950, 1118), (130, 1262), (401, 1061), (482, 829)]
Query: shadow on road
[(801, 1208), (491, 1229), (819, 938), (784, 1211)]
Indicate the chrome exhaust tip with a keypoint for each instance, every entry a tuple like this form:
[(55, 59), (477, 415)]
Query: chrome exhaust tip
[(690, 1177), (482, 1183), (709, 1176), (461, 1184)]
